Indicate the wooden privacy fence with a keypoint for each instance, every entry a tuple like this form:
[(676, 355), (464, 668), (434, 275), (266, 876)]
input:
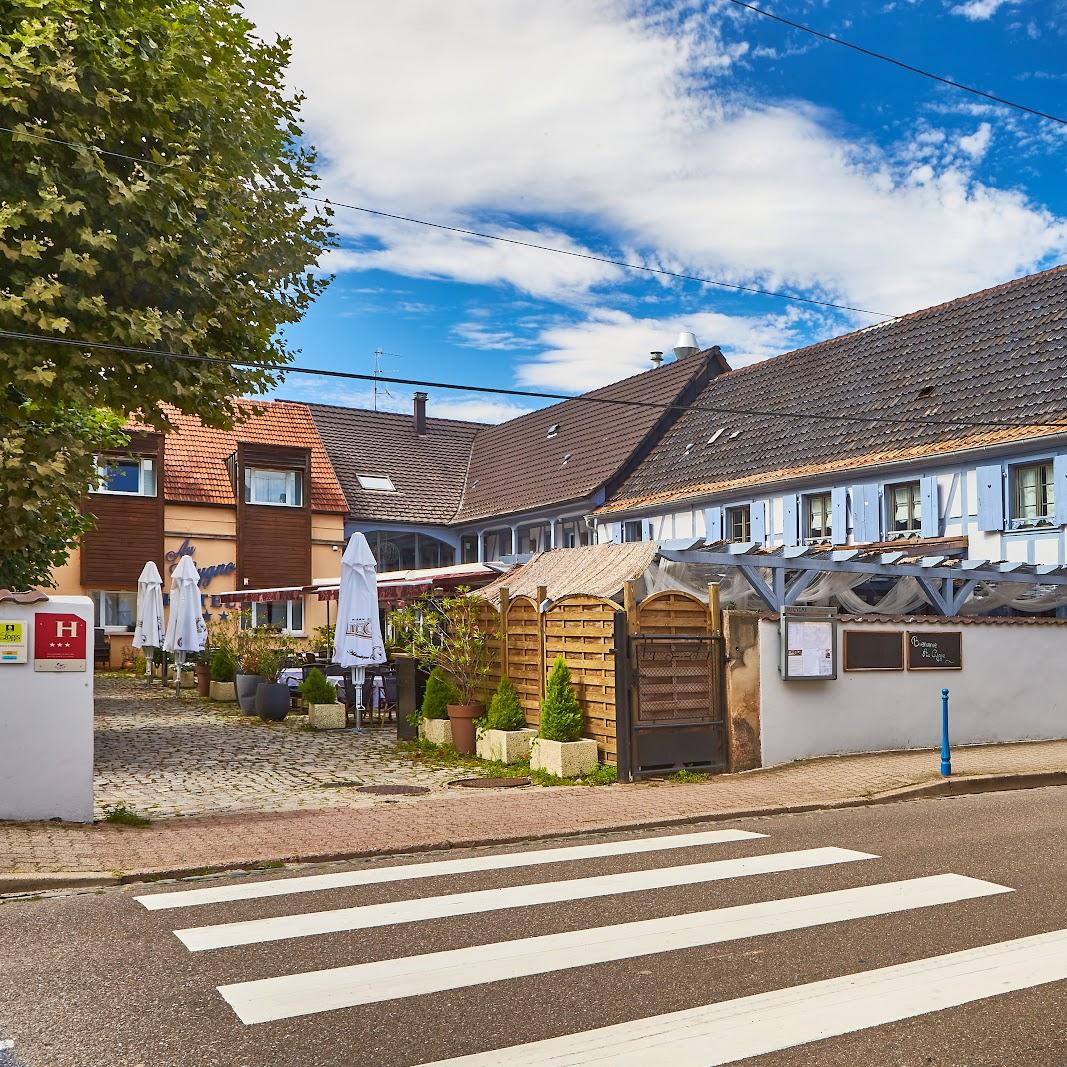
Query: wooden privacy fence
[(581, 629)]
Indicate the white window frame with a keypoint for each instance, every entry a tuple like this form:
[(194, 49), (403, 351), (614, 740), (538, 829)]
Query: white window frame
[(365, 479), (745, 512), (288, 627), (805, 517), (627, 526), (1048, 518), (145, 465), (891, 508), (288, 472), (99, 599)]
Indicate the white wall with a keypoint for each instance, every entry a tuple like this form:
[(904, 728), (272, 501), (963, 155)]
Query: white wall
[(46, 727), (1013, 687)]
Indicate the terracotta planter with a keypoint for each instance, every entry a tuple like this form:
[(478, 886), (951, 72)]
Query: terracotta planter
[(464, 735), (203, 679), (246, 685), (272, 701)]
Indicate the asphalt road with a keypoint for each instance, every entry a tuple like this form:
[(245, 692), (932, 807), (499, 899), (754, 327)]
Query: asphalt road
[(102, 980)]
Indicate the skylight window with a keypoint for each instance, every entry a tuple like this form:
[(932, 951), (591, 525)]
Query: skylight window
[(552, 430), (735, 433), (375, 483), (716, 435)]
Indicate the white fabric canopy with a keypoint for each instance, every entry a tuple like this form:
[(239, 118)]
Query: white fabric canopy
[(186, 630), (358, 637), (149, 630)]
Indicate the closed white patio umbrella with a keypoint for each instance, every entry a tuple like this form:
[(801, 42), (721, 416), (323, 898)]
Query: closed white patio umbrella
[(149, 631), (357, 642), (186, 630)]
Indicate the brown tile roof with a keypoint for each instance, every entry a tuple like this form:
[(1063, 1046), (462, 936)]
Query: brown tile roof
[(427, 471), (194, 465), (596, 570), (516, 466), (998, 354)]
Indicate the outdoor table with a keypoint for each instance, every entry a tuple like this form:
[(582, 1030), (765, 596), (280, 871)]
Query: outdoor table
[(293, 676)]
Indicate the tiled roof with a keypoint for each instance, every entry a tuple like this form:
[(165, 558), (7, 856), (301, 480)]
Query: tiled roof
[(1000, 354), (525, 464), (427, 471), (596, 570), (194, 466)]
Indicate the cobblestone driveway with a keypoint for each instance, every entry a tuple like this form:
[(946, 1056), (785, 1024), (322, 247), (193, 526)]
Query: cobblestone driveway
[(164, 757)]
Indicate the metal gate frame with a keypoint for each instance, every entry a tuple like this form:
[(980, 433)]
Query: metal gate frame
[(647, 748)]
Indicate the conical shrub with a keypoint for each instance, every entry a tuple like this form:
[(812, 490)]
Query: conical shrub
[(561, 714), (505, 711), (440, 692)]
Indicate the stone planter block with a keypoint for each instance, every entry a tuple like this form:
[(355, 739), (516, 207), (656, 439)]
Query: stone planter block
[(436, 731), (188, 680), (564, 759), (506, 746), (225, 691), (327, 716)]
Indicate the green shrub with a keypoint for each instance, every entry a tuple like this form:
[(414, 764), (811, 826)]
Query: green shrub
[(505, 711), (316, 689), (561, 714), (223, 665), (440, 692)]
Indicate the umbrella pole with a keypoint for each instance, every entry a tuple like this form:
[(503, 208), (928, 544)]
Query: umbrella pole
[(357, 695), (178, 658)]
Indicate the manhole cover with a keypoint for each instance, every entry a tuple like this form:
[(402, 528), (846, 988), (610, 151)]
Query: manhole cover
[(393, 790), (490, 783)]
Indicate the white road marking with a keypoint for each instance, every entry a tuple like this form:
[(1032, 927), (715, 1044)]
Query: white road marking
[(275, 887), (785, 1018), (342, 987), (254, 931)]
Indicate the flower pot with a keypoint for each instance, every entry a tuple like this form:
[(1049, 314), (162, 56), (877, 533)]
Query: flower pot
[(462, 717), (246, 685), (225, 691), (327, 716), (436, 731), (203, 679), (564, 759), (506, 746), (272, 701)]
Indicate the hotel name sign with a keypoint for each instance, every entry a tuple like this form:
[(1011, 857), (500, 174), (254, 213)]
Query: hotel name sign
[(207, 574)]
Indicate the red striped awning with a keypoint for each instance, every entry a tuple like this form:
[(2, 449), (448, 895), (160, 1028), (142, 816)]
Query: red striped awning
[(261, 596)]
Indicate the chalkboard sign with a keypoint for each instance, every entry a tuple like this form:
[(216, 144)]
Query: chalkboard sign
[(937, 650), (874, 650)]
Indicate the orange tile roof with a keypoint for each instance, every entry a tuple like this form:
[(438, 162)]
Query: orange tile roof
[(194, 465)]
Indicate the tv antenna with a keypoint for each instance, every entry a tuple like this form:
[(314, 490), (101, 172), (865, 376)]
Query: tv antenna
[(379, 387)]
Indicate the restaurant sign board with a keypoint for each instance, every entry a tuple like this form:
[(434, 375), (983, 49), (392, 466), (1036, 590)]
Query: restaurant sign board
[(59, 642)]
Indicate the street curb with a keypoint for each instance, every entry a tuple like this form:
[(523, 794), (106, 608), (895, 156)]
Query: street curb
[(947, 787)]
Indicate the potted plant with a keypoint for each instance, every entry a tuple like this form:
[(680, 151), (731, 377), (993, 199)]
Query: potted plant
[(324, 712), (202, 670), (505, 736), (434, 724), (451, 635), (273, 698), (559, 747), (223, 669), (250, 644)]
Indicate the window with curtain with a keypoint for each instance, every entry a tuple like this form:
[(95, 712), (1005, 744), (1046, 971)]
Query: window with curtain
[(134, 475), (739, 523), (1035, 492), (278, 488), (905, 507), (118, 609), (818, 516)]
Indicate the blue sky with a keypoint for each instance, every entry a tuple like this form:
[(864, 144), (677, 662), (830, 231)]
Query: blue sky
[(696, 137)]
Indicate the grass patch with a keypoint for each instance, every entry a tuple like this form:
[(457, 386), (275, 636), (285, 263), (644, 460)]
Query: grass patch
[(121, 815), (269, 865), (685, 775)]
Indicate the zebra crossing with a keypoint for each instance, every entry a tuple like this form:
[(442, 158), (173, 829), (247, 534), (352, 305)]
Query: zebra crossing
[(722, 1031)]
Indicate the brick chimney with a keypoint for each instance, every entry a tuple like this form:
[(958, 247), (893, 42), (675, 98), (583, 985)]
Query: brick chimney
[(420, 414)]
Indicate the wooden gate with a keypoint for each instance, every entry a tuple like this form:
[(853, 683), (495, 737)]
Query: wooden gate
[(670, 702)]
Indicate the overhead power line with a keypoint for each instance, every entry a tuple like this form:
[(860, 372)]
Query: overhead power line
[(490, 236), (288, 368), (833, 39)]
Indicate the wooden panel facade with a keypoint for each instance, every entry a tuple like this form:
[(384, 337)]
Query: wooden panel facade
[(129, 529), (273, 541)]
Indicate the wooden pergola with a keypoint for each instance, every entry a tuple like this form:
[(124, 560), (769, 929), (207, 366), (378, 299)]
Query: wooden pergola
[(946, 581)]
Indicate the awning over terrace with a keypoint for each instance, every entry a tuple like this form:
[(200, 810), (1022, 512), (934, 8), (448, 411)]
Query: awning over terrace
[(261, 596), (892, 580), (394, 586)]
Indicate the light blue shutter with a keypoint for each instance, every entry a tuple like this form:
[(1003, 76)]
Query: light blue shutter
[(931, 516), (866, 520), (648, 529), (1059, 483), (790, 532), (758, 521), (839, 520), (616, 532), (713, 523), (990, 498)]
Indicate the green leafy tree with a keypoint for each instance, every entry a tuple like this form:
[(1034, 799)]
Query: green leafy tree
[(180, 229), (440, 692), (505, 711), (561, 714)]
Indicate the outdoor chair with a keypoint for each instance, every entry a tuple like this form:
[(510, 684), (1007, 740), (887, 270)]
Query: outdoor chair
[(101, 648)]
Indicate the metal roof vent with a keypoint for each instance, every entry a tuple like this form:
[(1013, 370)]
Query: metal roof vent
[(657, 358), (566, 459), (689, 448), (735, 433), (552, 430), (686, 345)]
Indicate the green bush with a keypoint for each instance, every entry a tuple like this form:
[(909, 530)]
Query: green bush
[(316, 690), (561, 714), (223, 665), (440, 692), (505, 711)]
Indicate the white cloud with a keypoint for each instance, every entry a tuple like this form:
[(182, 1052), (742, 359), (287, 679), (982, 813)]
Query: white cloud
[(476, 409), (479, 335), (611, 344), (977, 144), (979, 10), (601, 120)]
